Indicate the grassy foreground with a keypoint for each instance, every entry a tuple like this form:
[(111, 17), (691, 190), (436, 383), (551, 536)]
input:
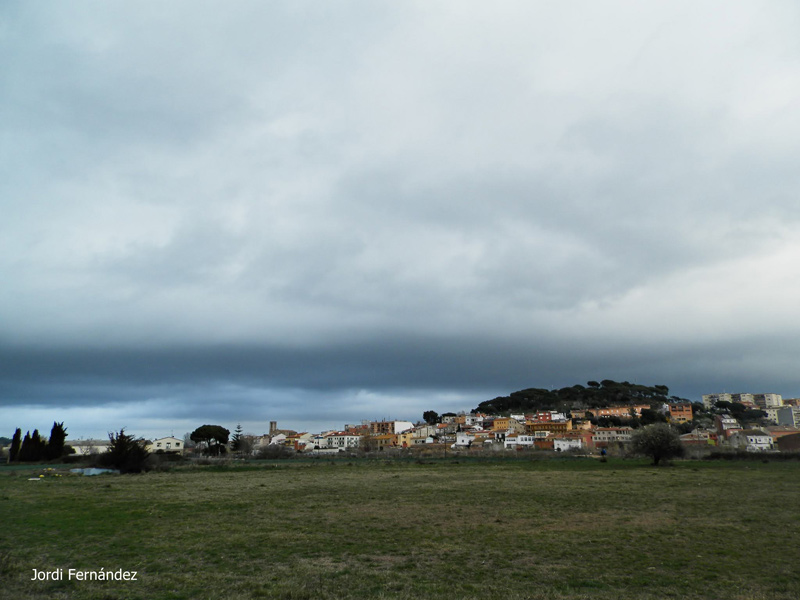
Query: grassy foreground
[(560, 529)]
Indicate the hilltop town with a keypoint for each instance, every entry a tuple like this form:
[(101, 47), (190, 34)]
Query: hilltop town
[(581, 420), (747, 422)]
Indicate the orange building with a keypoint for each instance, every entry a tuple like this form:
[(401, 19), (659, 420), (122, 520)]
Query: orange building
[(680, 412)]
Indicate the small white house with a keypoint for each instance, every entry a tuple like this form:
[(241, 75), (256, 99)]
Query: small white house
[(515, 440), (752, 440), (278, 439), (564, 444), (464, 439), (87, 447), (171, 445)]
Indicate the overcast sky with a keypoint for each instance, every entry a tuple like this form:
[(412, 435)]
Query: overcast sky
[(318, 213)]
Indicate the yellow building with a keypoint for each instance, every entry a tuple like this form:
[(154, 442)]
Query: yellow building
[(406, 439), (384, 440), (507, 424)]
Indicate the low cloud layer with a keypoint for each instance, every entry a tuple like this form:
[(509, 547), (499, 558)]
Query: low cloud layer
[(322, 213)]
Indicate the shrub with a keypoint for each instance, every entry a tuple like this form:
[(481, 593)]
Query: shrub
[(273, 452), (126, 453)]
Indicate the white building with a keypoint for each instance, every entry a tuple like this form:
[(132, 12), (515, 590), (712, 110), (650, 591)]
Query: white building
[(343, 440), (277, 440), (564, 444), (772, 414), (743, 398), (165, 445), (752, 440), (471, 420), (514, 440), (725, 424), (765, 401), (87, 447), (709, 400), (464, 439)]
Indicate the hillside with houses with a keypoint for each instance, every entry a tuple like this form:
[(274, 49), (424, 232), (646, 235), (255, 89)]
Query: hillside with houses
[(578, 419), (599, 417)]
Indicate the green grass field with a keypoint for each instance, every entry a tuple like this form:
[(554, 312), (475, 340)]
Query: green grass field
[(508, 529)]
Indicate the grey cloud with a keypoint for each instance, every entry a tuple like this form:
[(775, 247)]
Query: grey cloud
[(282, 201)]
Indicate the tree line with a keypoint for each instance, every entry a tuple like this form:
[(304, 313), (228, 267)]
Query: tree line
[(33, 447), (595, 394)]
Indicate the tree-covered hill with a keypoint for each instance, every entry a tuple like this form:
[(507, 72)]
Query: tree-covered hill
[(593, 395)]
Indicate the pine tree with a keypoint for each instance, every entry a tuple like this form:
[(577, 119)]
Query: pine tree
[(15, 443), (236, 439)]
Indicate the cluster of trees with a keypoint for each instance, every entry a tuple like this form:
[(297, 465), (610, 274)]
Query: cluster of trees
[(648, 416), (431, 417), (739, 411), (126, 453), (33, 447), (593, 395)]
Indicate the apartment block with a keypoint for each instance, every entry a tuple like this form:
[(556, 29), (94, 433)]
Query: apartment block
[(765, 401), (709, 400)]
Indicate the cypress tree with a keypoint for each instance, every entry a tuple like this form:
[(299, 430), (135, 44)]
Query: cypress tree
[(37, 446), (25, 449), (55, 445), (15, 443)]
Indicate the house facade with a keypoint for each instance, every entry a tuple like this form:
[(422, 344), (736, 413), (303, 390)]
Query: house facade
[(565, 444), (726, 425), (623, 412), (88, 447), (751, 440), (765, 401), (603, 436), (680, 412), (341, 440), (389, 427), (519, 440), (165, 445)]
